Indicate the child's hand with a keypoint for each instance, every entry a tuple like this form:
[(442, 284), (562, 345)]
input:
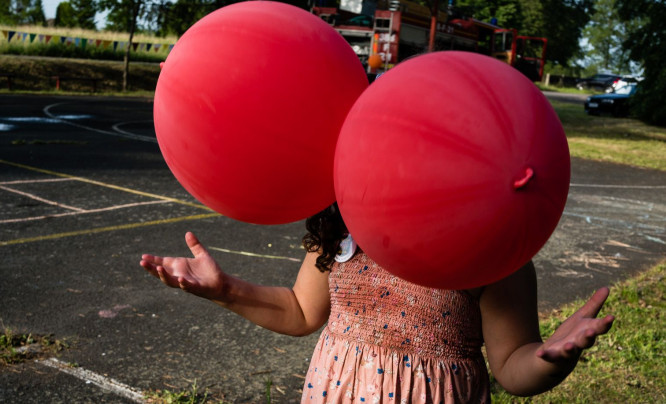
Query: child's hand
[(199, 275), (577, 333)]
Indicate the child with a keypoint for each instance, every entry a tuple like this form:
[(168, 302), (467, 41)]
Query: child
[(388, 340)]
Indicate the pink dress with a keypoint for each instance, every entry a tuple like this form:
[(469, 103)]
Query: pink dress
[(391, 341)]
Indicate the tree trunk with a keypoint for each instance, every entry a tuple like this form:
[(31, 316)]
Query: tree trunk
[(135, 15), (434, 13)]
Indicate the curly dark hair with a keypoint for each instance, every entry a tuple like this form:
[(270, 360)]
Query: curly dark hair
[(325, 231)]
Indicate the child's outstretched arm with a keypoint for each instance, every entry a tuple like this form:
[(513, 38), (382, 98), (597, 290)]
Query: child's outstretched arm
[(300, 310), (519, 360)]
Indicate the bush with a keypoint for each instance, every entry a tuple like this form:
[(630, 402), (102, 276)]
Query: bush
[(649, 103)]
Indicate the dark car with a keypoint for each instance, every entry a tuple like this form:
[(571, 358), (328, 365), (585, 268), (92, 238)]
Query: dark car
[(615, 103), (599, 82)]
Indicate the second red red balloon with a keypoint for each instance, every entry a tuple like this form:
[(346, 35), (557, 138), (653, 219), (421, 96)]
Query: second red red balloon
[(452, 170)]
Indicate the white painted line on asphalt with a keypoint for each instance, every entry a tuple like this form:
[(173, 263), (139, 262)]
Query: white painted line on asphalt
[(655, 239), (618, 222), (619, 186), (35, 181), (117, 126), (106, 229), (249, 254), (128, 135), (103, 184), (115, 207), (98, 380), (37, 198)]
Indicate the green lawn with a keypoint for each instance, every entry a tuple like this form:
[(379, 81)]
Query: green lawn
[(618, 140), (628, 364)]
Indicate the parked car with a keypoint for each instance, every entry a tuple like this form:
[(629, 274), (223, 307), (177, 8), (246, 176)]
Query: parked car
[(623, 81), (615, 103), (598, 82)]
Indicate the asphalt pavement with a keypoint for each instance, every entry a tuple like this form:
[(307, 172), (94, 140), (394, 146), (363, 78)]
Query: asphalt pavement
[(84, 192)]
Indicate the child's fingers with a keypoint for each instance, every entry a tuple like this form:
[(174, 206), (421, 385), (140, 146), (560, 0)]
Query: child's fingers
[(588, 337), (166, 278), (184, 284), (603, 325), (565, 352), (148, 267), (152, 259), (584, 339), (557, 355), (195, 245), (594, 305)]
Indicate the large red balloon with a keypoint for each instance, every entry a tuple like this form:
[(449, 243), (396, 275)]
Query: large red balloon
[(248, 108), (452, 170)]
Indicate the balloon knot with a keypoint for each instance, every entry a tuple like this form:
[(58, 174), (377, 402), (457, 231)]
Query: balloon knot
[(527, 175)]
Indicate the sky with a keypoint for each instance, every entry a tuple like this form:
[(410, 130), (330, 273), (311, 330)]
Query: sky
[(50, 8)]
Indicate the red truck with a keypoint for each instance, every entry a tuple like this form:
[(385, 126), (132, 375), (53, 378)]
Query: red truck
[(385, 32)]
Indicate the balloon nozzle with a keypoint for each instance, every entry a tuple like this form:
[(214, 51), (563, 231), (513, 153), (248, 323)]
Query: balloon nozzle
[(527, 175)]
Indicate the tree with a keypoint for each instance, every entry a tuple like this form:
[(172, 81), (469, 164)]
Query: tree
[(533, 16), (17, 12), (84, 13), (65, 15), (605, 35), (647, 45), (156, 17), (166, 17), (6, 15), (34, 13), (507, 12), (179, 16), (123, 16), (561, 22)]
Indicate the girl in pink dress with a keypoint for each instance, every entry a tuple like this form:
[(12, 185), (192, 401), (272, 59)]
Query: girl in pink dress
[(390, 341)]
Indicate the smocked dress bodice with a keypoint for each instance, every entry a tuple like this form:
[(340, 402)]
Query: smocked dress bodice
[(391, 341)]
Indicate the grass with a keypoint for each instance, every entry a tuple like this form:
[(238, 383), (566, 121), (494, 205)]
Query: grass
[(191, 396), (16, 348), (558, 89), (35, 75), (617, 140), (625, 366), (268, 383)]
